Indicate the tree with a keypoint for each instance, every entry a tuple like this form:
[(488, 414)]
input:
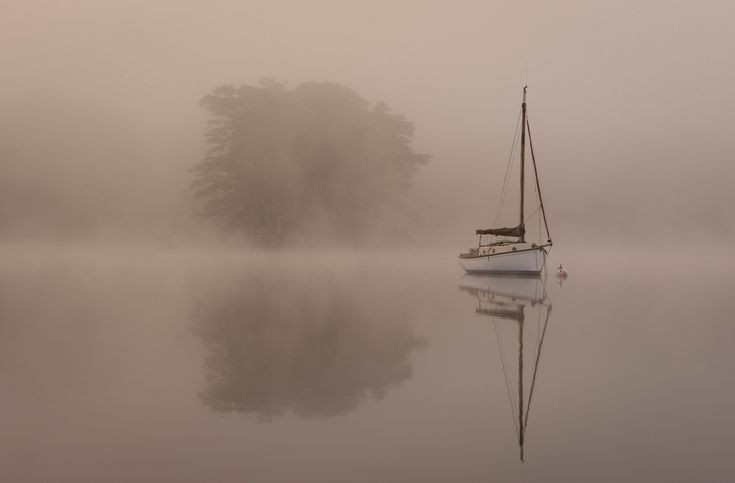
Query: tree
[(317, 160)]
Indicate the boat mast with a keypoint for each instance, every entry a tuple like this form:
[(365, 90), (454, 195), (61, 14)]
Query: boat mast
[(522, 238)]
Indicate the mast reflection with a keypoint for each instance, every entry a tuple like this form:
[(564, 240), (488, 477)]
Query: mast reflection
[(515, 299)]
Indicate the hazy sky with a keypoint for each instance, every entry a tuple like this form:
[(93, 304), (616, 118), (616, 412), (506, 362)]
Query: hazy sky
[(629, 101)]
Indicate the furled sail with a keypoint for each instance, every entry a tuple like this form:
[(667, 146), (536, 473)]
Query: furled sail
[(518, 231)]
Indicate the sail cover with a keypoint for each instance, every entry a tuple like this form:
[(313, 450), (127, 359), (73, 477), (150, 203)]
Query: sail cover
[(518, 231)]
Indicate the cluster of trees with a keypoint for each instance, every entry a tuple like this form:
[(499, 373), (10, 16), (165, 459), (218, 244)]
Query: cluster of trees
[(314, 162)]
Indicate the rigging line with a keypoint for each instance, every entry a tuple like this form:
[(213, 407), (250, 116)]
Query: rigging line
[(533, 213), (507, 171), (539, 229), (535, 367), (538, 199), (530, 217), (505, 374), (535, 172), (538, 322)]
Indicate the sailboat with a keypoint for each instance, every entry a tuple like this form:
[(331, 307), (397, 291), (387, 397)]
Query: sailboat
[(507, 298), (509, 252)]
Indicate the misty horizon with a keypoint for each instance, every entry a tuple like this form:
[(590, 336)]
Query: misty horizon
[(239, 241), (101, 124)]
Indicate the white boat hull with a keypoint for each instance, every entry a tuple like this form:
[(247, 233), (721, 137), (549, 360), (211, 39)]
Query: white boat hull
[(526, 261)]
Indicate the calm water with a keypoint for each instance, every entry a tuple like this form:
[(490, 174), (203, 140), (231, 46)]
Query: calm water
[(123, 365)]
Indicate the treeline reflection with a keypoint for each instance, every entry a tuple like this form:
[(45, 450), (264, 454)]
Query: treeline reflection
[(313, 345)]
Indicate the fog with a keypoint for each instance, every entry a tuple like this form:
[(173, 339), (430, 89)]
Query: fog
[(329, 334), (629, 104), (129, 364)]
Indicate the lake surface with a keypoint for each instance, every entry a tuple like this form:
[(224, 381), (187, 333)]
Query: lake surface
[(147, 365)]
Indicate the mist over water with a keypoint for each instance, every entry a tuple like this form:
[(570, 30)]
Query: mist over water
[(331, 335), (189, 367)]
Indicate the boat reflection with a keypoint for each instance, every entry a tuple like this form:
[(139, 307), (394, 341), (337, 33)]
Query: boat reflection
[(522, 301), (312, 345)]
